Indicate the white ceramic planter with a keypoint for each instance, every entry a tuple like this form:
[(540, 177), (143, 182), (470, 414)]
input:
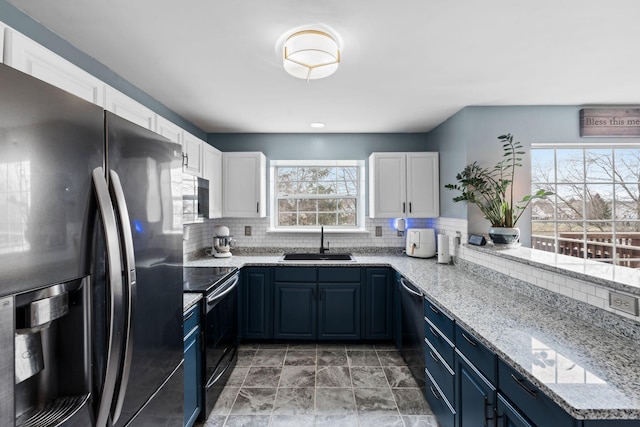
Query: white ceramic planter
[(504, 235)]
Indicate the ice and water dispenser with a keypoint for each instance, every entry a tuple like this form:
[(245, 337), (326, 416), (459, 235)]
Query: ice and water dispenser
[(44, 356)]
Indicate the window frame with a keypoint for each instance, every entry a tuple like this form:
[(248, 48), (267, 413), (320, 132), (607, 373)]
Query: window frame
[(360, 197), (585, 221)]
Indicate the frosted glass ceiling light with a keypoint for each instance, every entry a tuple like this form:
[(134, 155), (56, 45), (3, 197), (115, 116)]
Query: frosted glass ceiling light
[(311, 54)]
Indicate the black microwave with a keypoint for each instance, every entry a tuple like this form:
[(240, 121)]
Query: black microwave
[(195, 198)]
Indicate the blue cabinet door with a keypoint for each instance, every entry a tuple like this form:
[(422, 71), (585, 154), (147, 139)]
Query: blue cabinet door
[(476, 397), (508, 416), (378, 304), (256, 304), (339, 311), (295, 311)]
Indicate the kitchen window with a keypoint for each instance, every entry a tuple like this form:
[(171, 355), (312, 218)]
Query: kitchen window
[(595, 212), (307, 194)]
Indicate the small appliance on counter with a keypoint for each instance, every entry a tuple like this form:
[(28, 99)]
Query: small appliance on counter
[(421, 242), (222, 242)]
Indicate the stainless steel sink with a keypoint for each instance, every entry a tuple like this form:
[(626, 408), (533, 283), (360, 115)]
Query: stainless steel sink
[(318, 257)]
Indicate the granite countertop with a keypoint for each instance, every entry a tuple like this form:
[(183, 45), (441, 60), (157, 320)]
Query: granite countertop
[(591, 373), (189, 300)]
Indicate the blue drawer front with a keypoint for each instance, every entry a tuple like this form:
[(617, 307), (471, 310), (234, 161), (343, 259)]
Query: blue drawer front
[(440, 319), (438, 341), (439, 405), (440, 373), (480, 356)]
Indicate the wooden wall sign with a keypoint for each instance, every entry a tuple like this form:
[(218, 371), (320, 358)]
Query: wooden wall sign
[(610, 122)]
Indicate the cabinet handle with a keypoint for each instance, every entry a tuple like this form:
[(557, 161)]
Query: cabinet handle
[(434, 332), (185, 159), (518, 381), (469, 340), (189, 316), (435, 310), (257, 207), (403, 207), (435, 392), (434, 357), (410, 207)]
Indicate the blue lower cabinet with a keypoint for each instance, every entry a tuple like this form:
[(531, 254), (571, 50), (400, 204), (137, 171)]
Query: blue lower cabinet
[(192, 366), (476, 397), (508, 416), (441, 407), (378, 297), (256, 304), (295, 311), (339, 311)]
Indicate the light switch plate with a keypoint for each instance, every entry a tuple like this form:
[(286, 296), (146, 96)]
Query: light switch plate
[(623, 302), (247, 230), (378, 230)]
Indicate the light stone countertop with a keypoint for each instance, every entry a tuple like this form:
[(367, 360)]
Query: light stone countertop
[(189, 300), (591, 373)]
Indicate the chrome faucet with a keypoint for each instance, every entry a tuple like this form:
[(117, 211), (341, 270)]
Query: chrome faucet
[(322, 248)]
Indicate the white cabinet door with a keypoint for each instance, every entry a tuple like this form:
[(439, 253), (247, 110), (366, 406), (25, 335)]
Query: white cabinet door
[(404, 185), (169, 130), (212, 170), (3, 29), (32, 58), (192, 151), (387, 182), (127, 108), (244, 190), (423, 183)]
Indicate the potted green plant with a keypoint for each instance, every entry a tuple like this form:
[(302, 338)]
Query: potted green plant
[(491, 189)]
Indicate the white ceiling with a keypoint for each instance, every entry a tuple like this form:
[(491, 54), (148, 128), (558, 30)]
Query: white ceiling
[(407, 65)]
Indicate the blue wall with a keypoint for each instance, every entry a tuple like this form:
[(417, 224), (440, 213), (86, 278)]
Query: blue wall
[(23, 23)]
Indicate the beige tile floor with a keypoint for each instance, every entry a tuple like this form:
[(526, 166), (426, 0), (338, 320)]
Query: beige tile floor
[(321, 385)]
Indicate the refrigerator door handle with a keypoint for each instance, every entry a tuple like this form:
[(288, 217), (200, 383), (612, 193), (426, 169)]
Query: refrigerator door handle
[(115, 299), (130, 274)]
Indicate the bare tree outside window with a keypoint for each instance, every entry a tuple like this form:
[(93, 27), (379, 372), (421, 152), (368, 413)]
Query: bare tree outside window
[(310, 196), (595, 212)]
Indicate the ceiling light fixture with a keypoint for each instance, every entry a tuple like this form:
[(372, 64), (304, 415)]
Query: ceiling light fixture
[(311, 54), (317, 125)]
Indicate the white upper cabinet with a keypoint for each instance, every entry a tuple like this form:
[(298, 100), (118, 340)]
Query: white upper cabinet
[(244, 191), (32, 58), (404, 185), (169, 130), (212, 170), (122, 105), (192, 152), (3, 29)]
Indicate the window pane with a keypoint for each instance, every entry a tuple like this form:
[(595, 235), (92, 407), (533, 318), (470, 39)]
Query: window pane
[(287, 219), (569, 200), (570, 165), (627, 206), (542, 166), (347, 188), (327, 187), (599, 165), (327, 205), (347, 205), (286, 205), (345, 218), (308, 205), (326, 174), (307, 219), (627, 164), (286, 174), (599, 201), (327, 218)]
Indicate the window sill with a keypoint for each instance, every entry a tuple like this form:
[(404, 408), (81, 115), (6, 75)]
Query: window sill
[(317, 231)]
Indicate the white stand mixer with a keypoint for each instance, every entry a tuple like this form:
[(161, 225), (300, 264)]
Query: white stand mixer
[(222, 242)]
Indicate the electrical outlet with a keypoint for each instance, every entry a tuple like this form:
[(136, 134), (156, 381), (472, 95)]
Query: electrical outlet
[(623, 302), (247, 230), (378, 230)]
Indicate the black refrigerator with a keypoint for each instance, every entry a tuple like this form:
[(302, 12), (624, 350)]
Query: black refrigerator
[(90, 264)]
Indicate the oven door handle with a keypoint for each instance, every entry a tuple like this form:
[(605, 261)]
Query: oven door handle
[(231, 283)]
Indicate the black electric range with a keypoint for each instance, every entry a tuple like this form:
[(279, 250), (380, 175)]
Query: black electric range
[(205, 279)]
